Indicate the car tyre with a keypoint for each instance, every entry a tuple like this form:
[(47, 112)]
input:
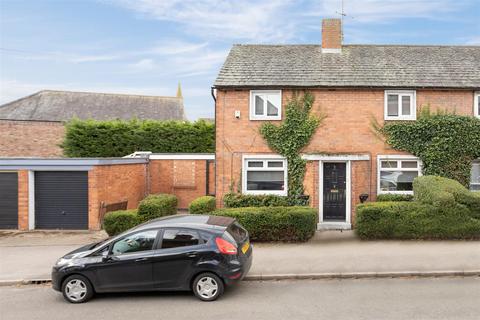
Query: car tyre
[(77, 289), (208, 286)]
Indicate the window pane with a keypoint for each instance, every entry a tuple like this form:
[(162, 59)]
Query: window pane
[(389, 164), (271, 109), (258, 105), (392, 105), (475, 179), (406, 103), (137, 242), (397, 180), (265, 180), (255, 164), (409, 164), (275, 164), (174, 238)]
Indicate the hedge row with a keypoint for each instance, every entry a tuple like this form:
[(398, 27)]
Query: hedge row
[(237, 200), (274, 223), (153, 206), (117, 138), (202, 205)]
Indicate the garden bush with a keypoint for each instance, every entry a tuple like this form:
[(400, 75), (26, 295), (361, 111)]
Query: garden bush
[(237, 200), (275, 223), (394, 197), (116, 222), (117, 138), (415, 220), (201, 205), (157, 205)]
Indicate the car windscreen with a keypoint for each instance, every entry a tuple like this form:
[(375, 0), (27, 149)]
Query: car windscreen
[(237, 232)]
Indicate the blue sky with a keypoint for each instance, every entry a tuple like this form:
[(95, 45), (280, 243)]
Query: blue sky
[(148, 46)]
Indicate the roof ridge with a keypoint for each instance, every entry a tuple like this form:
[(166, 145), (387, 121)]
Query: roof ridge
[(353, 45), (103, 93)]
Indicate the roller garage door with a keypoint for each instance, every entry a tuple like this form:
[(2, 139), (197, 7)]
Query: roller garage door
[(8, 200), (61, 200)]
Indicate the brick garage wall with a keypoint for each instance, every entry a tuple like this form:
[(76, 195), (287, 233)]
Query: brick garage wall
[(184, 178), (22, 199), (31, 138), (347, 130), (115, 183)]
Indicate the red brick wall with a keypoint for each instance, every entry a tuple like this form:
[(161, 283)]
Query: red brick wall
[(31, 138), (184, 178), (23, 200), (346, 130), (114, 183)]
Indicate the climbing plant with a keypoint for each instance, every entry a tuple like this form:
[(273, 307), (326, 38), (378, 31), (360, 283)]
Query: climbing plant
[(445, 142), (290, 137)]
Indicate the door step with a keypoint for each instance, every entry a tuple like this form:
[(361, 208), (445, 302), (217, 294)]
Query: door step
[(334, 226)]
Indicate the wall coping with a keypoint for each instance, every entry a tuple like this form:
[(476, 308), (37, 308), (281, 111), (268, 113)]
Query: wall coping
[(63, 163), (182, 156)]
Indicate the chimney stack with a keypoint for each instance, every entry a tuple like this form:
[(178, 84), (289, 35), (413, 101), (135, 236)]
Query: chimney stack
[(331, 35)]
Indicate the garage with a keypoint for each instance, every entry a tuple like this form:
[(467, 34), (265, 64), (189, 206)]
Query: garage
[(61, 200), (9, 200)]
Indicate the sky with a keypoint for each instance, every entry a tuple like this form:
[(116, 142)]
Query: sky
[(149, 46)]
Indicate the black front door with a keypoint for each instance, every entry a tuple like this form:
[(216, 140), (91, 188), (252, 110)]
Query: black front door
[(334, 191)]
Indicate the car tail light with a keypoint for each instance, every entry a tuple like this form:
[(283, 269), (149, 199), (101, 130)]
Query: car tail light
[(225, 247)]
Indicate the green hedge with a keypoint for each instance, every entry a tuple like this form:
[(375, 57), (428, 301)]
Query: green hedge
[(394, 197), (157, 205), (445, 192), (116, 222), (201, 205), (415, 220), (275, 223), (237, 200), (117, 138)]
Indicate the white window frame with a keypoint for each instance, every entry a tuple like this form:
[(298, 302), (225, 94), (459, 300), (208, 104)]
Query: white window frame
[(401, 93), (476, 100), (265, 159), (399, 159), (254, 93), (471, 182)]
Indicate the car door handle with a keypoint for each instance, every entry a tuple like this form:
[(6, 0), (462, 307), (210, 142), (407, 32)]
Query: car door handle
[(141, 259), (192, 254)]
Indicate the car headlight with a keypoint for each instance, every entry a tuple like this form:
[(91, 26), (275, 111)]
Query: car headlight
[(62, 262)]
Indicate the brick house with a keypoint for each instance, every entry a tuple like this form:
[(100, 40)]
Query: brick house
[(33, 126), (351, 84)]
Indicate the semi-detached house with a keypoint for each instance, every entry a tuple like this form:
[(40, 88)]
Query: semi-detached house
[(352, 84)]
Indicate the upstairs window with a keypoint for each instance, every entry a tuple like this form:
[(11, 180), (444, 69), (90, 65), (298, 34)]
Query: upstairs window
[(265, 105), (396, 175), (475, 180), (265, 176), (476, 105), (400, 105)]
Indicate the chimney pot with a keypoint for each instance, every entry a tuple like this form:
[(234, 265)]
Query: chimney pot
[(331, 35)]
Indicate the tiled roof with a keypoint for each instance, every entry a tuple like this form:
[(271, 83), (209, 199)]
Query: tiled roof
[(356, 66), (50, 105)]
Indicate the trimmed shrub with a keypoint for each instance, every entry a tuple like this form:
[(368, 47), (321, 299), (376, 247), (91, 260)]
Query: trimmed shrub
[(275, 223), (117, 138), (394, 197), (201, 205), (444, 192), (116, 222), (237, 200), (157, 205), (415, 220)]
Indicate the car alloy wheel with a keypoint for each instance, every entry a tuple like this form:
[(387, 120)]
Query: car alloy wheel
[(77, 289), (208, 287)]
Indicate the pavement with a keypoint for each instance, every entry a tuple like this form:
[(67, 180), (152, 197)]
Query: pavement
[(436, 299), (26, 256)]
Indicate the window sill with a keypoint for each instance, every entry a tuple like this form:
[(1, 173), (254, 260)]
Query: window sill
[(400, 119), (265, 118), (266, 193), (395, 192)]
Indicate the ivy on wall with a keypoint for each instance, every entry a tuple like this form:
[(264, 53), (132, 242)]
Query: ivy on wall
[(446, 143), (290, 137)]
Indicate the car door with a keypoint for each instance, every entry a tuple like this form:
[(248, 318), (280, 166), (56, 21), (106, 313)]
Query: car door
[(176, 258), (128, 266)]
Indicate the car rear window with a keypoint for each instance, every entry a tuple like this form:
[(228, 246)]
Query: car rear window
[(237, 232)]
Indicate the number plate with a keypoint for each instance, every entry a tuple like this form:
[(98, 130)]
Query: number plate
[(245, 247)]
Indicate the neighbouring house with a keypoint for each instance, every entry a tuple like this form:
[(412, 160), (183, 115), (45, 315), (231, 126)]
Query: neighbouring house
[(351, 84), (33, 126)]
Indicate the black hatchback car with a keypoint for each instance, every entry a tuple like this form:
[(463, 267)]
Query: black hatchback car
[(181, 252)]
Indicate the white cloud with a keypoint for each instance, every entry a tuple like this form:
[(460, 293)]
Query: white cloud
[(475, 40), (143, 65)]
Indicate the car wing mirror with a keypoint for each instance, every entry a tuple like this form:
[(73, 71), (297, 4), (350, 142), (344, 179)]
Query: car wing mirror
[(110, 258)]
